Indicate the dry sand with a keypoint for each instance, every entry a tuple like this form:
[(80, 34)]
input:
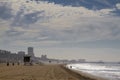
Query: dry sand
[(39, 72)]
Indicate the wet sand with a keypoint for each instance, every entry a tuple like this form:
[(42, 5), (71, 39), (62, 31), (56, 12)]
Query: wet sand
[(39, 72)]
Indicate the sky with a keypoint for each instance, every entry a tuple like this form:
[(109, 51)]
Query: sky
[(62, 29)]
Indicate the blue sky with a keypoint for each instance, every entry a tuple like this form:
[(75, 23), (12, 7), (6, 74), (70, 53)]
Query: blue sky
[(65, 29)]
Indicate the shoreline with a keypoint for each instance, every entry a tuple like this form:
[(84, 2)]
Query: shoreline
[(87, 75), (91, 76)]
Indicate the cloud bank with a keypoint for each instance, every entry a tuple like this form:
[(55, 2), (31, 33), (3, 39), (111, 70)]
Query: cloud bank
[(46, 23)]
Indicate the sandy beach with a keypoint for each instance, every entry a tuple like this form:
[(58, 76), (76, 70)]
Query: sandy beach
[(39, 72)]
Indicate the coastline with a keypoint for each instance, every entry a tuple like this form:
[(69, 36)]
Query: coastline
[(87, 74), (41, 72), (83, 74)]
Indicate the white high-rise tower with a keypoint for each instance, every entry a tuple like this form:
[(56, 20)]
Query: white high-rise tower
[(30, 51)]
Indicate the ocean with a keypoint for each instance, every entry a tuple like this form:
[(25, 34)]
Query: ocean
[(110, 71)]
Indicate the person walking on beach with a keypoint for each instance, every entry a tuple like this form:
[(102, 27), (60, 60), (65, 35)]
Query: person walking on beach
[(7, 63), (13, 64), (70, 66)]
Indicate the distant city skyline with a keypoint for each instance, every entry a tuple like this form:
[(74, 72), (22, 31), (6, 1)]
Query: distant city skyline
[(29, 57), (64, 29), (73, 53)]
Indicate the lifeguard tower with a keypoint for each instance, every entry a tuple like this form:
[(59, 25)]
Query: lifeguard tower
[(27, 60)]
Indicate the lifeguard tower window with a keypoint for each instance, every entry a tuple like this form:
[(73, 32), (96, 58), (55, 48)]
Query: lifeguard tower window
[(26, 58)]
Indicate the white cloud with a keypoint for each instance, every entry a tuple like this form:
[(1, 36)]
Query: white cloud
[(55, 10), (4, 26), (60, 23), (118, 5)]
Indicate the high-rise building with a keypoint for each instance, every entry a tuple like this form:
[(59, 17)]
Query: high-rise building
[(30, 51), (44, 57)]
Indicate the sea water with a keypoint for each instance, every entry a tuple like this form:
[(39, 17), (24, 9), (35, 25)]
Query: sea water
[(110, 71)]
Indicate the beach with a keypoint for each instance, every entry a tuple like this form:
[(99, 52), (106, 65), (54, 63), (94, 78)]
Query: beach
[(39, 72)]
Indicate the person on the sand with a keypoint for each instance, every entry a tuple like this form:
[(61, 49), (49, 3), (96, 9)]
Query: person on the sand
[(13, 64), (70, 66), (7, 63)]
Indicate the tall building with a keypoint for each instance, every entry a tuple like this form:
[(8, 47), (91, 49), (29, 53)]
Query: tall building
[(44, 57), (30, 51)]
